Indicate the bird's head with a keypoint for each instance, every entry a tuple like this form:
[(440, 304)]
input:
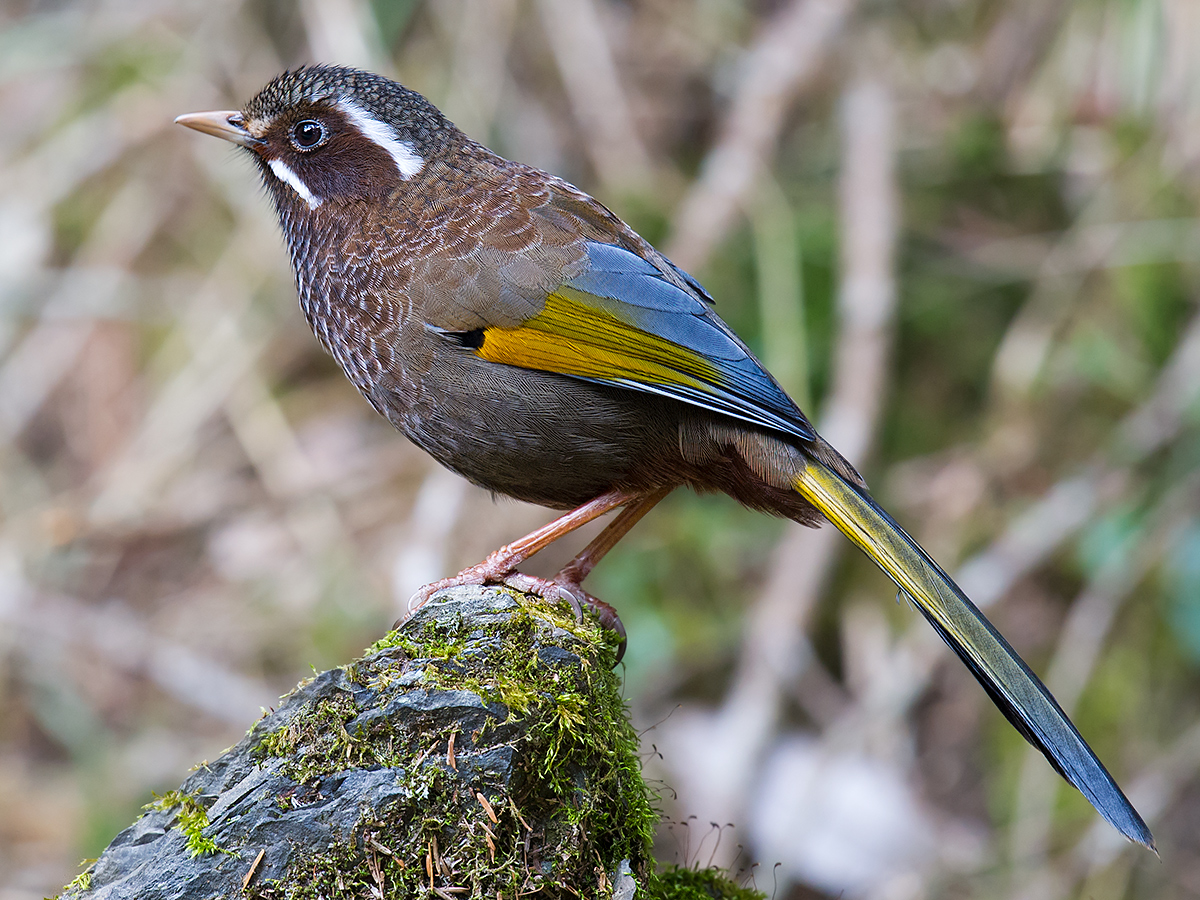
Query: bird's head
[(325, 133)]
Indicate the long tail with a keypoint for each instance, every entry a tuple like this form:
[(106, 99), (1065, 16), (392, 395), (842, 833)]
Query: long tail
[(1018, 693)]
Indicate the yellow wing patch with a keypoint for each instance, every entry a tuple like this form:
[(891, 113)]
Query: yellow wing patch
[(572, 338)]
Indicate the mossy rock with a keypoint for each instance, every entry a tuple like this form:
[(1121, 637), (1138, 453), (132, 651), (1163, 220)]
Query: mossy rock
[(481, 750)]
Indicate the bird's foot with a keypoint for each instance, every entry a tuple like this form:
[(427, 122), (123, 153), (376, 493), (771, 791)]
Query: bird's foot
[(561, 587), (495, 569)]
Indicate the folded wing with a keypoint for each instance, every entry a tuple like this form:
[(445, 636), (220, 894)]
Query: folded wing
[(621, 322)]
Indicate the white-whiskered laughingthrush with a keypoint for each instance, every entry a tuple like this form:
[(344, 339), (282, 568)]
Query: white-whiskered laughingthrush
[(531, 341)]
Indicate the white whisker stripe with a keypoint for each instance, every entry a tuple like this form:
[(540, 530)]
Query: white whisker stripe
[(408, 162), (284, 173)]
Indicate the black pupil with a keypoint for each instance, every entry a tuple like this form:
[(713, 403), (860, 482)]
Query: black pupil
[(308, 133)]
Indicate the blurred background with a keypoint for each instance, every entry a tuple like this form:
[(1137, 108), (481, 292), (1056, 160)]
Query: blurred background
[(963, 233)]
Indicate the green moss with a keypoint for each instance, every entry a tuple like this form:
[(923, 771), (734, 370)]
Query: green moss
[(678, 883), (579, 776), (530, 787), (190, 817), (80, 883), (318, 742)]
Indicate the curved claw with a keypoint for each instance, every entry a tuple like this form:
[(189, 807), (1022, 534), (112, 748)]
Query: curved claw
[(491, 571), (608, 618), (559, 588)]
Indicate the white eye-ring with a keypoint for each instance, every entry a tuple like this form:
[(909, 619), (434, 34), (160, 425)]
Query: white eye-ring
[(307, 135)]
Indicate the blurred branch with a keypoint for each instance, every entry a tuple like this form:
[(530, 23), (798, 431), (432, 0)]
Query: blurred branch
[(87, 144), (1105, 245), (1158, 420), (283, 468), (122, 640), (98, 275), (344, 33), (581, 48), (780, 290), (775, 648), (866, 302), (482, 35), (421, 558), (1016, 46), (1089, 244), (784, 60), (220, 356), (1038, 532)]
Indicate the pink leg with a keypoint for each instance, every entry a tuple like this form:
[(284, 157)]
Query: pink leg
[(566, 584), (502, 564), (500, 567), (579, 568)]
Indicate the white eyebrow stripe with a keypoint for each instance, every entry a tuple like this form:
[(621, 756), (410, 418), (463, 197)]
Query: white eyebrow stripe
[(284, 173), (408, 162)]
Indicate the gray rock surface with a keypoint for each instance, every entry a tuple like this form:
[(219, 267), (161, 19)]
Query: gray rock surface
[(352, 788)]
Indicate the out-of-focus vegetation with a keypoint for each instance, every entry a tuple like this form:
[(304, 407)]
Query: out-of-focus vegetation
[(196, 507)]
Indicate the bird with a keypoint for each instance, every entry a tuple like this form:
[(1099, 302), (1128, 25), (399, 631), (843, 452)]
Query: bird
[(522, 334)]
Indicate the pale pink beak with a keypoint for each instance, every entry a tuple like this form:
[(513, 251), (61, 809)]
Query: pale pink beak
[(227, 124)]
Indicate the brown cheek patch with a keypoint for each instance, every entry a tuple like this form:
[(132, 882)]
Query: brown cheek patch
[(349, 165)]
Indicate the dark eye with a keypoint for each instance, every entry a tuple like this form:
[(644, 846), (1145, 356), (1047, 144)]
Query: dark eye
[(308, 134)]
